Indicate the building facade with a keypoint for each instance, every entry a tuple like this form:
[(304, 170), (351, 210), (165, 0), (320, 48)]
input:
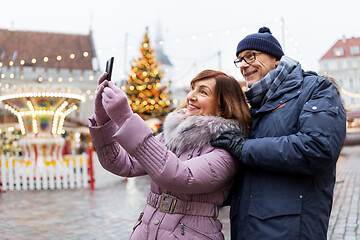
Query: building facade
[(49, 59), (342, 62)]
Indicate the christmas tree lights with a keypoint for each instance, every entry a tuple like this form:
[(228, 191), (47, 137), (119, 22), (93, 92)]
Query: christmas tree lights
[(146, 95)]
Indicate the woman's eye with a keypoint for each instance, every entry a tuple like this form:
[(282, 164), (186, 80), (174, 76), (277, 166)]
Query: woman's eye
[(203, 92)]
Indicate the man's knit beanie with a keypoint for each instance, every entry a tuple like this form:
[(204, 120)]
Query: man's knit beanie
[(262, 41)]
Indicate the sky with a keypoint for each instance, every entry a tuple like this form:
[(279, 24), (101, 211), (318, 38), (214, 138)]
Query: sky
[(196, 34)]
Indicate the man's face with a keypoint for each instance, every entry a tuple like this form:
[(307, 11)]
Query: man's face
[(256, 70)]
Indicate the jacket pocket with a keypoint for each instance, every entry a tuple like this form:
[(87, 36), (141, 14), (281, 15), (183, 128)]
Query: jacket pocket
[(320, 106), (138, 222), (274, 216), (186, 232), (319, 117)]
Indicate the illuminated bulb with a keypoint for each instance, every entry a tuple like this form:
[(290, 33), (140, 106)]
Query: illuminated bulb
[(46, 59), (58, 58), (11, 63), (72, 56), (22, 62), (33, 60), (85, 54)]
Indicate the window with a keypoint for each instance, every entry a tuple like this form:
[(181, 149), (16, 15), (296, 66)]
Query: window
[(340, 82), (351, 83), (326, 66), (338, 51), (354, 50), (339, 65), (349, 64)]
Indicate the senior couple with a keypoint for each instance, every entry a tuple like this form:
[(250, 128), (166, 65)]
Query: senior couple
[(274, 161)]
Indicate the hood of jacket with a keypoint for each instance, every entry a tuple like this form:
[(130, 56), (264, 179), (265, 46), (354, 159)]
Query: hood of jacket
[(183, 133)]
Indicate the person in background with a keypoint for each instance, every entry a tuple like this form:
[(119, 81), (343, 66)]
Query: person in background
[(67, 150), (190, 179), (285, 186)]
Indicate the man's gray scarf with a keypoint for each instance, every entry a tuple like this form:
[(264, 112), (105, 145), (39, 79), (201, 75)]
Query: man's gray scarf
[(263, 89)]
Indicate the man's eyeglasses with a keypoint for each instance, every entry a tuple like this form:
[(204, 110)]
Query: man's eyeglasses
[(248, 58)]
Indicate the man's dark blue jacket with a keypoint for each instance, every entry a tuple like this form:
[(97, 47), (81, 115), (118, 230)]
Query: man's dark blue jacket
[(285, 187)]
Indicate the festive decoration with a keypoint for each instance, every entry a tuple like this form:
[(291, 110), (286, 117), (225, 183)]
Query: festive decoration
[(146, 95), (41, 111), (33, 61)]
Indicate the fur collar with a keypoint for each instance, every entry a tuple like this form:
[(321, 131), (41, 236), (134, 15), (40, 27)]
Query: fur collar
[(183, 133)]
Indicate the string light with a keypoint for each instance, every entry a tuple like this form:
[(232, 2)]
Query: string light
[(46, 59), (38, 94), (349, 94)]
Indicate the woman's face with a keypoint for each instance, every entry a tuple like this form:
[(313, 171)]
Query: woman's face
[(201, 98)]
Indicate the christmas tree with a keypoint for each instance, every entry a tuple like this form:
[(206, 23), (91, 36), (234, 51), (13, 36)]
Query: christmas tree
[(146, 95)]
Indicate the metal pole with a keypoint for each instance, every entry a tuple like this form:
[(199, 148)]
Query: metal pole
[(125, 58), (219, 58), (283, 32)]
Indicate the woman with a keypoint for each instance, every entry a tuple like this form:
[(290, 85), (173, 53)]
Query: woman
[(190, 179)]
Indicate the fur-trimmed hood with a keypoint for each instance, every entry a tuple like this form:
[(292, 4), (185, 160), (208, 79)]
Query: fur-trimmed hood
[(183, 133)]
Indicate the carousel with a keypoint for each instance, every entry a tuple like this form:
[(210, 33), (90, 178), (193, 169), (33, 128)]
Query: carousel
[(41, 111)]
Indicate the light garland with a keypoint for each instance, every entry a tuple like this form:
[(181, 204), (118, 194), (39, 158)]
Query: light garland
[(49, 79), (349, 94), (43, 94), (45, 59), (57, 115), (212, 34)]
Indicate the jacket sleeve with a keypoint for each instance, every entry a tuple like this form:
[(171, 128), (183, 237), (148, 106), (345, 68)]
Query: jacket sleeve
[(111, 156), (311, 150), (203, 174)]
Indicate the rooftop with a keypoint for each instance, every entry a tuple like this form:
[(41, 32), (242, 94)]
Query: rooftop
[(46, 49), (349, 47)]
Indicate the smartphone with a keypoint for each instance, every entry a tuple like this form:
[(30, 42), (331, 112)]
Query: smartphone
[(109, 67)]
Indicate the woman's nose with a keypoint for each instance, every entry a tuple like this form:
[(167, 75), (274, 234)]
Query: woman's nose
[(191, 96)]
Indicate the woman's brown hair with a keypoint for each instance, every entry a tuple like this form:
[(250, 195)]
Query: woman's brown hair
[(229, 96)]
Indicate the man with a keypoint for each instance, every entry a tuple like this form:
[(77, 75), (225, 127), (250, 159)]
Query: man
[(285, 187)]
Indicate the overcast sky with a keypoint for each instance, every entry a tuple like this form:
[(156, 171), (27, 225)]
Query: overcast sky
[(194, 32)]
